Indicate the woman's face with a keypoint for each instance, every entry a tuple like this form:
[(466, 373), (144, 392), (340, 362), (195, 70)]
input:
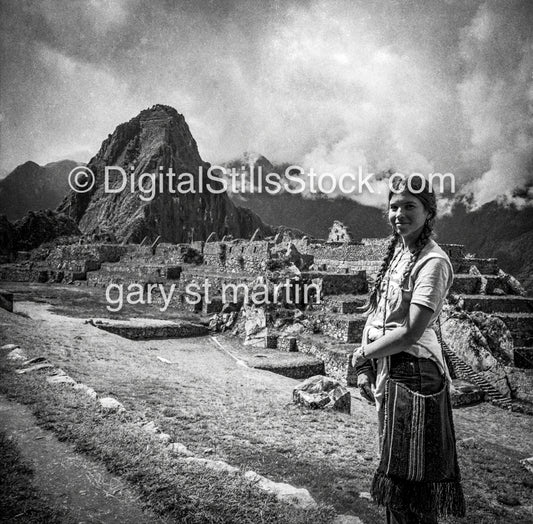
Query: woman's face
[(407, 215)]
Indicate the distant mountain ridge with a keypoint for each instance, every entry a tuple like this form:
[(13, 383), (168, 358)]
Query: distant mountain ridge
[(31, 187), (494, 230)]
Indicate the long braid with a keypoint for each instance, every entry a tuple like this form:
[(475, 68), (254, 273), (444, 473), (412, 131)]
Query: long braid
[(372, 302), (420, 243), (420, 189)]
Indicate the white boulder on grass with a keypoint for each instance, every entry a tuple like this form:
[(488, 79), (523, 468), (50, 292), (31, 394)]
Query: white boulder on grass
[(215, 465), (9, 347), (150, 427), (84, 388), (528, 464), (37, 367), (284, 492), (111, 405), (322, 392), (179, 449), (16, 354), (60, 379)]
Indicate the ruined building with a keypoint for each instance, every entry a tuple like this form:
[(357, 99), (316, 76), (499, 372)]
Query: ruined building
[(312, 287)]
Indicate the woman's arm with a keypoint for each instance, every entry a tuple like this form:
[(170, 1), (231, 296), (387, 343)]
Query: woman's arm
[(399, 339)]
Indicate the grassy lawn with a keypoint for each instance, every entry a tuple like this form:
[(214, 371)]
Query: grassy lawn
[(220, 410), (21, 501)]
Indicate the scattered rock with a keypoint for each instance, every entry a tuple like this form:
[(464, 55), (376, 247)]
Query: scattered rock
[(166, 361), (9, 347), (467, 443), (60, 379), (165, 438), (284, 492), (365, 495), (209, 451), (216, 465), (84, 388), (35, 360), (179, 449), (111, 405), (346, 519), (515, 287), (37, 367), (16, 354), (150, 427), (320, 391), (508, 500), (528, 464)]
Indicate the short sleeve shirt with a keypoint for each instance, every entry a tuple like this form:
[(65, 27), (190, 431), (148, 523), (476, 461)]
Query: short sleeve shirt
[(427, 285)]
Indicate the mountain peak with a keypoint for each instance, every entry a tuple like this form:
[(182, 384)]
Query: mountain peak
[(154, 141), (160, 109)]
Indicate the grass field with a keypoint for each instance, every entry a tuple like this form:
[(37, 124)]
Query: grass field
[(243, 416)]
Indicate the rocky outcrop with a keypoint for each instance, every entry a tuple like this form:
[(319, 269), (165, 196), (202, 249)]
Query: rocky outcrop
[(155, 141), (482, 341)]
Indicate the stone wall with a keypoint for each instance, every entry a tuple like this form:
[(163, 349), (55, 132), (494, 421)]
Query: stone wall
[(237, 256)]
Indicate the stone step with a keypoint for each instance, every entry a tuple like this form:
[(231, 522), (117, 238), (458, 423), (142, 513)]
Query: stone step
[(336, 356), (344, 304), (523, 357), (99, 279), (467, 284), (143, 270), (521, 327), (293, 365), (496, 303), (345, 328), (338, 283), (148, 329), (29, 273), (486, 266)]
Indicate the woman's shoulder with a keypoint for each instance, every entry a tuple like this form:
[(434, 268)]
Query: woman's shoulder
[(432, 251)]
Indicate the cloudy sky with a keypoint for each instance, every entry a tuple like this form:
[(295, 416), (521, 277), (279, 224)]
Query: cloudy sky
[(414, 85)]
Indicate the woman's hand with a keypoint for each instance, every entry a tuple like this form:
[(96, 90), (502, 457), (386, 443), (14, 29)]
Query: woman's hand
[(365, 383), (358, 357)]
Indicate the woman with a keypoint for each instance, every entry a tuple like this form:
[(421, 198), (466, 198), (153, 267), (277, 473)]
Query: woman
[(401, 367)]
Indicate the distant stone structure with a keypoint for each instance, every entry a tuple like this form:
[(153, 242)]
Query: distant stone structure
[(338, 232), (488, 323)]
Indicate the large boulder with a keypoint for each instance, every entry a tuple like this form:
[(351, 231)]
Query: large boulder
[(468, 336), (322, 392)]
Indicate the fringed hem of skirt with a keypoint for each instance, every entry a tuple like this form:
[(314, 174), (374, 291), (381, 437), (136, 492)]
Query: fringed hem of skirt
[(440, 498)]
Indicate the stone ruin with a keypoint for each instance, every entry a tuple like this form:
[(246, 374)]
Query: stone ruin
[(487, 322)]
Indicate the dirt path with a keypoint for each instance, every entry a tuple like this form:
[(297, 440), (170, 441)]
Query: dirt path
[(84, 489)]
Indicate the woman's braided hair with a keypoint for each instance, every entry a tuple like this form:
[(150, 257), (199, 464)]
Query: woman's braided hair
[(423, 191)]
